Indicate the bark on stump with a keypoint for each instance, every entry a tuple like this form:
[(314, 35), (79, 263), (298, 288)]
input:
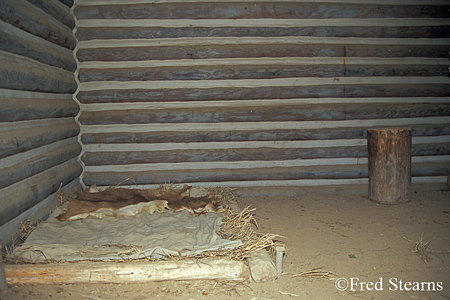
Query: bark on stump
[(389, 164)]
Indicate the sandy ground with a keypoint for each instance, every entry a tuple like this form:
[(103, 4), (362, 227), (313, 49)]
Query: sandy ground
[(369, 247)]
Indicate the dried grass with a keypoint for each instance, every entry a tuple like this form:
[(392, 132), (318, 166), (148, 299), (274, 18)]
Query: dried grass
[(422, 250), (239, 225), (167, 186), (59, 195), (25, 230), (316, 273), (120, 183)]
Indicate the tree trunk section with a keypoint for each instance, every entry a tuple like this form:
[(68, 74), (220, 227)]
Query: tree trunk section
[(389, 152)]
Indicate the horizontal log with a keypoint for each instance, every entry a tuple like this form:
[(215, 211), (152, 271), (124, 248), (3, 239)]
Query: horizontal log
[(56, 10), (110, 272), (248, 145), (22, 43), (123, 154), (304, 186), (9, 232), (244, 10), (302, 112), (298, 187), (16, 109), (425, 169), (18, 158), (257, 72), (219, 105), (21, 73), (246, 126), (30, 18), (431, 149), (380, 31), (232, 154), (260, 83), (223, 136), (264, 62), (237, 135), (21, 196), (260, 22), (89, 29), (24, 105), (344, 162), (35, 165), (263, 92), (227, 154), (251, 174), (130, 53), (235, 174), (21, 140)]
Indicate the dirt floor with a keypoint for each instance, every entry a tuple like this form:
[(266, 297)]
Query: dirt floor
[(375, 251)]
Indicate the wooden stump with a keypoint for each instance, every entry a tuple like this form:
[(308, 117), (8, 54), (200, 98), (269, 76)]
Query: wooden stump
[(389, 165)]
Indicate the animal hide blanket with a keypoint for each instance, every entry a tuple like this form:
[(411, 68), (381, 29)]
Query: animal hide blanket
[(121, 202)]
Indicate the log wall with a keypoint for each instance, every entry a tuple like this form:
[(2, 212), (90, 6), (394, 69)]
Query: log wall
[(39, 145), (259, 93)]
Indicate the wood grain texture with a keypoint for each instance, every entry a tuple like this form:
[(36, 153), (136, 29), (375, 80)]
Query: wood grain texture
[(35, 165), (32, 19), (262, 92), (239, 154), (306, 112), (21, 140), (389, 152), (247, 87), (218, 175), (212, 155), (256, 72), (245, 10), (56, 10), (14, 40), (17, 109), (41, 211), (248, 135), (89, 29), (107, 272), (18, 198), (130, 53), (19, 73), (38, 144), (235, 174)]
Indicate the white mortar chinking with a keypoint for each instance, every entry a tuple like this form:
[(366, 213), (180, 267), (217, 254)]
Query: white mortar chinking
[(74, 96)]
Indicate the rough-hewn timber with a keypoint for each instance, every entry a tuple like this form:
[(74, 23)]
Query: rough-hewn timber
[(38, 132), (233, 92)]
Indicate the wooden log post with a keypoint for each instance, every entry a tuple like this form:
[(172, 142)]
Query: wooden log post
[(389, 152)]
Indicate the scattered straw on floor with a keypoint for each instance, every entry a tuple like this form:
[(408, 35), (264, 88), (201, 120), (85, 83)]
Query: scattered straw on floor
[(316, 273), (422, 250)]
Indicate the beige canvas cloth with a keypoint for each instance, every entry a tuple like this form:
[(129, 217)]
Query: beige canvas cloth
[(143, 235)]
